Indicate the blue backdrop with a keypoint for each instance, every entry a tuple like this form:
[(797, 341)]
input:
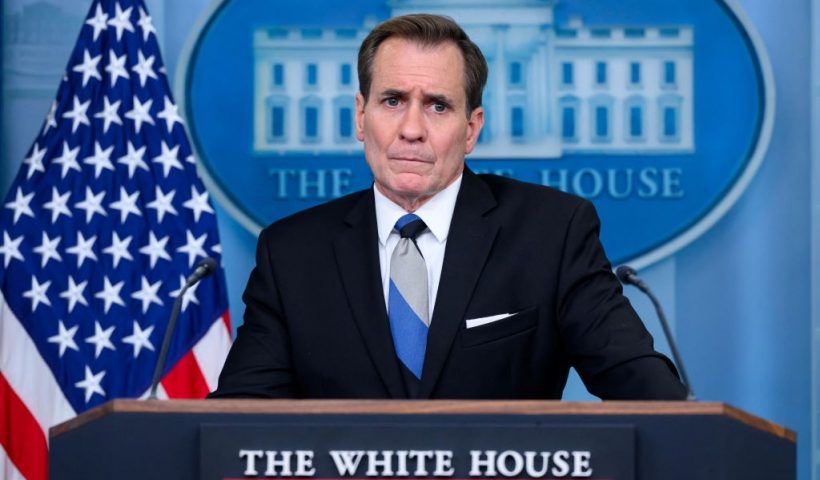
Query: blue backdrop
[(740, 296)]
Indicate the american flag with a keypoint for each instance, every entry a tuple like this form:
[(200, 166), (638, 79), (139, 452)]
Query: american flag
[(102, 224)]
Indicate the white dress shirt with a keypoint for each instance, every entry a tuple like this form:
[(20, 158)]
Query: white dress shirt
[(437, 213)]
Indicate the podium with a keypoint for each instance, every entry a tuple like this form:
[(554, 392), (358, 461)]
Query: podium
[(323, 439)]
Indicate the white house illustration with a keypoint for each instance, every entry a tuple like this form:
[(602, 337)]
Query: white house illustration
[(553, 89)]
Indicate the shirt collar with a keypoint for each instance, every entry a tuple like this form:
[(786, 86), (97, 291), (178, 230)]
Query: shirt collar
[(437, 213)]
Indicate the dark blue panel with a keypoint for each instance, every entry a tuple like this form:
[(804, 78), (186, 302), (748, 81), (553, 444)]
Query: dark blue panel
[(311, 122), (277, 122), (566, 73), (635, 121), (278, 75), (517, 120), (669, 122), (601, 122), (345, 122), (568, 122), (600, 72), (312, 71)]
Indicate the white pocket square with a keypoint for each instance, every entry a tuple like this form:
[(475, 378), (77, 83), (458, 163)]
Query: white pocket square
[(477, 322)]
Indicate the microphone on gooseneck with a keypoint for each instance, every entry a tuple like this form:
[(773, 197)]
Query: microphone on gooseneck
[(628, 276), (205, 267)]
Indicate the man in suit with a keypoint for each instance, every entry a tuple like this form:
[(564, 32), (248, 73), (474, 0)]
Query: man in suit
[(512, 286)]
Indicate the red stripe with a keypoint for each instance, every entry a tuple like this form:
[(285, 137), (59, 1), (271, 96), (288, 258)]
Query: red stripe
[(21, 435), (185, 380), (226, 317)]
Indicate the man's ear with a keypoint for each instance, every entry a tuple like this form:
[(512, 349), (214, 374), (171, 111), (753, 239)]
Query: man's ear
[(360, 116), (474, 125)]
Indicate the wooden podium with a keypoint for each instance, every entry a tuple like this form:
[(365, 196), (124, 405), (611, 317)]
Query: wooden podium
[(228, 439)]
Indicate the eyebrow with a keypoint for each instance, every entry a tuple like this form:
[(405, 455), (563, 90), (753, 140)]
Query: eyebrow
[(428, 97)]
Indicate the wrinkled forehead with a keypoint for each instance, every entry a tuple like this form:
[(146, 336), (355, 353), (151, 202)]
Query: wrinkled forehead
[(398, 56), (428, 46)]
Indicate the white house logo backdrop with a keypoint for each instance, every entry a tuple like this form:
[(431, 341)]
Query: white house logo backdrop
[(659, 111)]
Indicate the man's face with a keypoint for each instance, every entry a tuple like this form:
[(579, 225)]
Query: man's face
[(413, 125)]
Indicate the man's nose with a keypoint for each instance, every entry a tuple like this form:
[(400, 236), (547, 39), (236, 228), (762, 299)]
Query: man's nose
[(413, 126)]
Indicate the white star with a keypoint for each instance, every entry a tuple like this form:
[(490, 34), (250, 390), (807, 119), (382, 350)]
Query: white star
[(189, 296), (170, 114), (147, 294), (168, 159), (98, 22), (48, 250), (140, 113), (133, 159), (193, 247), (65, 338), (110, 294), (35, 160), (217, 248), (101, 339), (155, 249), (83, 249), (140, 338), (121, 20), (58, 204), (50, 117), (119, 249), (101, 159), (78, 115), (190, 159), (68, 160), (74, 293), (127, 204), (89, 67), (116, 66), (109, 114), (144, 68), (198, 203), (11, 249), (20, 205), (37, 294), (92, 204), (146, 25), (91, 383), (163, 203)]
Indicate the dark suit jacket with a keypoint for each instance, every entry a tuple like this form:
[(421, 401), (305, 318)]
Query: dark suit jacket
[(316, 324)]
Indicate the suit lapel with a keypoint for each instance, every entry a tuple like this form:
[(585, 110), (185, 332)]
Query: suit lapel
[(468, 244), (357, 257)]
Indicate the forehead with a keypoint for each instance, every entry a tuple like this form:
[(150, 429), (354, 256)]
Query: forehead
[(401, 63)]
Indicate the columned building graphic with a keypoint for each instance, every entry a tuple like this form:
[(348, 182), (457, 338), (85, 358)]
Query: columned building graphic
[(553, 89)]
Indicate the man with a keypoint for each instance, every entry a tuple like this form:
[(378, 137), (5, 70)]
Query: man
[(497, 291)]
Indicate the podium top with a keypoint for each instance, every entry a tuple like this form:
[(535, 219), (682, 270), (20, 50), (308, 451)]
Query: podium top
[(425, 407)]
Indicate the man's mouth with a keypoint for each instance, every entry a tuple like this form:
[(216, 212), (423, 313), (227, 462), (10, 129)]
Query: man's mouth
[(410, 158)]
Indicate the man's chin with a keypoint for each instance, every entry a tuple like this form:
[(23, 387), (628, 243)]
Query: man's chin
[(407, 194), (410, 184)]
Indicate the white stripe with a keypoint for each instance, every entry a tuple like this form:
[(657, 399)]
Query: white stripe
[(161, 394), (7, 469), (28, 374), (211, 351)]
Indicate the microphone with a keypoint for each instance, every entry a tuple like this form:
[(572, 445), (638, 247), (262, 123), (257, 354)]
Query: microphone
[(628, 276), (205, 267)]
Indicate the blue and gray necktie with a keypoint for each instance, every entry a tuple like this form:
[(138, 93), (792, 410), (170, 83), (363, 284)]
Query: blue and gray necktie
[(408, 303)]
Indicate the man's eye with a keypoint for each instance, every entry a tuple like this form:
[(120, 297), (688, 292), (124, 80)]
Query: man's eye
[(439, 107), (392, 102)]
